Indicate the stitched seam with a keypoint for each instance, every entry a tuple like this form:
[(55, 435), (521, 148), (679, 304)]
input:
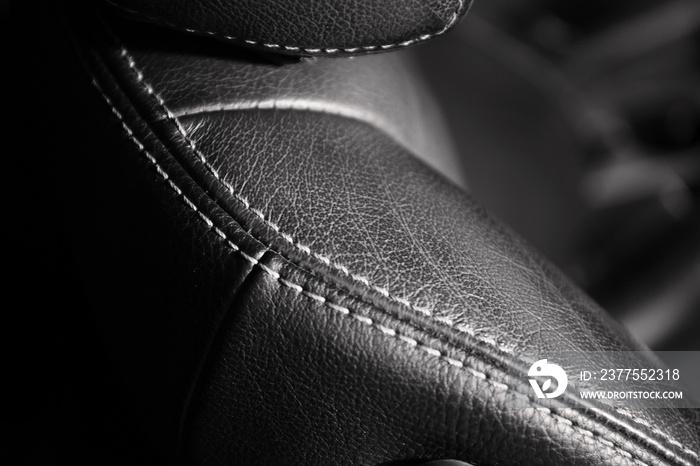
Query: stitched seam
[(645, 423), (411, 342), (339, 267), (288, 238), (293, 48)]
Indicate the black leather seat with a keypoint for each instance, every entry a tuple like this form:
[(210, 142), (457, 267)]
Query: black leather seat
[(279, 278)]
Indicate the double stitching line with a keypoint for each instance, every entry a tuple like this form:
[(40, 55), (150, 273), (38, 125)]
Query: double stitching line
[(288, 238), (488, 341), (322, 300), (343, 269)]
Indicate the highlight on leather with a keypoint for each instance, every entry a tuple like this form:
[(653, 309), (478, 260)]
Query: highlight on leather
[(324, 27)]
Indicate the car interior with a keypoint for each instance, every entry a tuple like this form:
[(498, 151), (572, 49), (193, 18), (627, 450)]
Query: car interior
[(351, 231)]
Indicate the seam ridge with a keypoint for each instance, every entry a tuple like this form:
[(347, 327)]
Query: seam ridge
[(339, 267), (288, 238), (295, 48), (346, 311)]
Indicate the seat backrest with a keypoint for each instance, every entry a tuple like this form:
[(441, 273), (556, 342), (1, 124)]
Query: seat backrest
[(281, 280)]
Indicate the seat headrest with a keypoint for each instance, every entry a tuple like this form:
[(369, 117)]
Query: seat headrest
[(304, 27)]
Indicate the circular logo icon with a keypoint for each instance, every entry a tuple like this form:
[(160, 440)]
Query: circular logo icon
[(543, 369)]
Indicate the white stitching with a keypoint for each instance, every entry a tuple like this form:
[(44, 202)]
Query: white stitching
[(327, 261), (344, 310), (293, 48), (339, 267), (139, 76)]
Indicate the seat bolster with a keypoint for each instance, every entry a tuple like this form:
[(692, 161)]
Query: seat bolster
[(287, 285)]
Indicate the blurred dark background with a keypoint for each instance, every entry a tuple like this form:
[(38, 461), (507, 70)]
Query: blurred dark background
[(576, 122)]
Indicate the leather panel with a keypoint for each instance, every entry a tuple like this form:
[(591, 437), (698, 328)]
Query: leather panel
[(335, 242), (385, 91), (328, 27), (500, 297)]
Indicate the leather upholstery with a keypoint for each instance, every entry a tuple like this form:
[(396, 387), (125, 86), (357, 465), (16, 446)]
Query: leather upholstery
[(289, 284), (327, 27), (385, 91)]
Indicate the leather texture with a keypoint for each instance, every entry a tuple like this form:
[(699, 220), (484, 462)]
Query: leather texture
[(385, 91), (283, 284), (297, 27)]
